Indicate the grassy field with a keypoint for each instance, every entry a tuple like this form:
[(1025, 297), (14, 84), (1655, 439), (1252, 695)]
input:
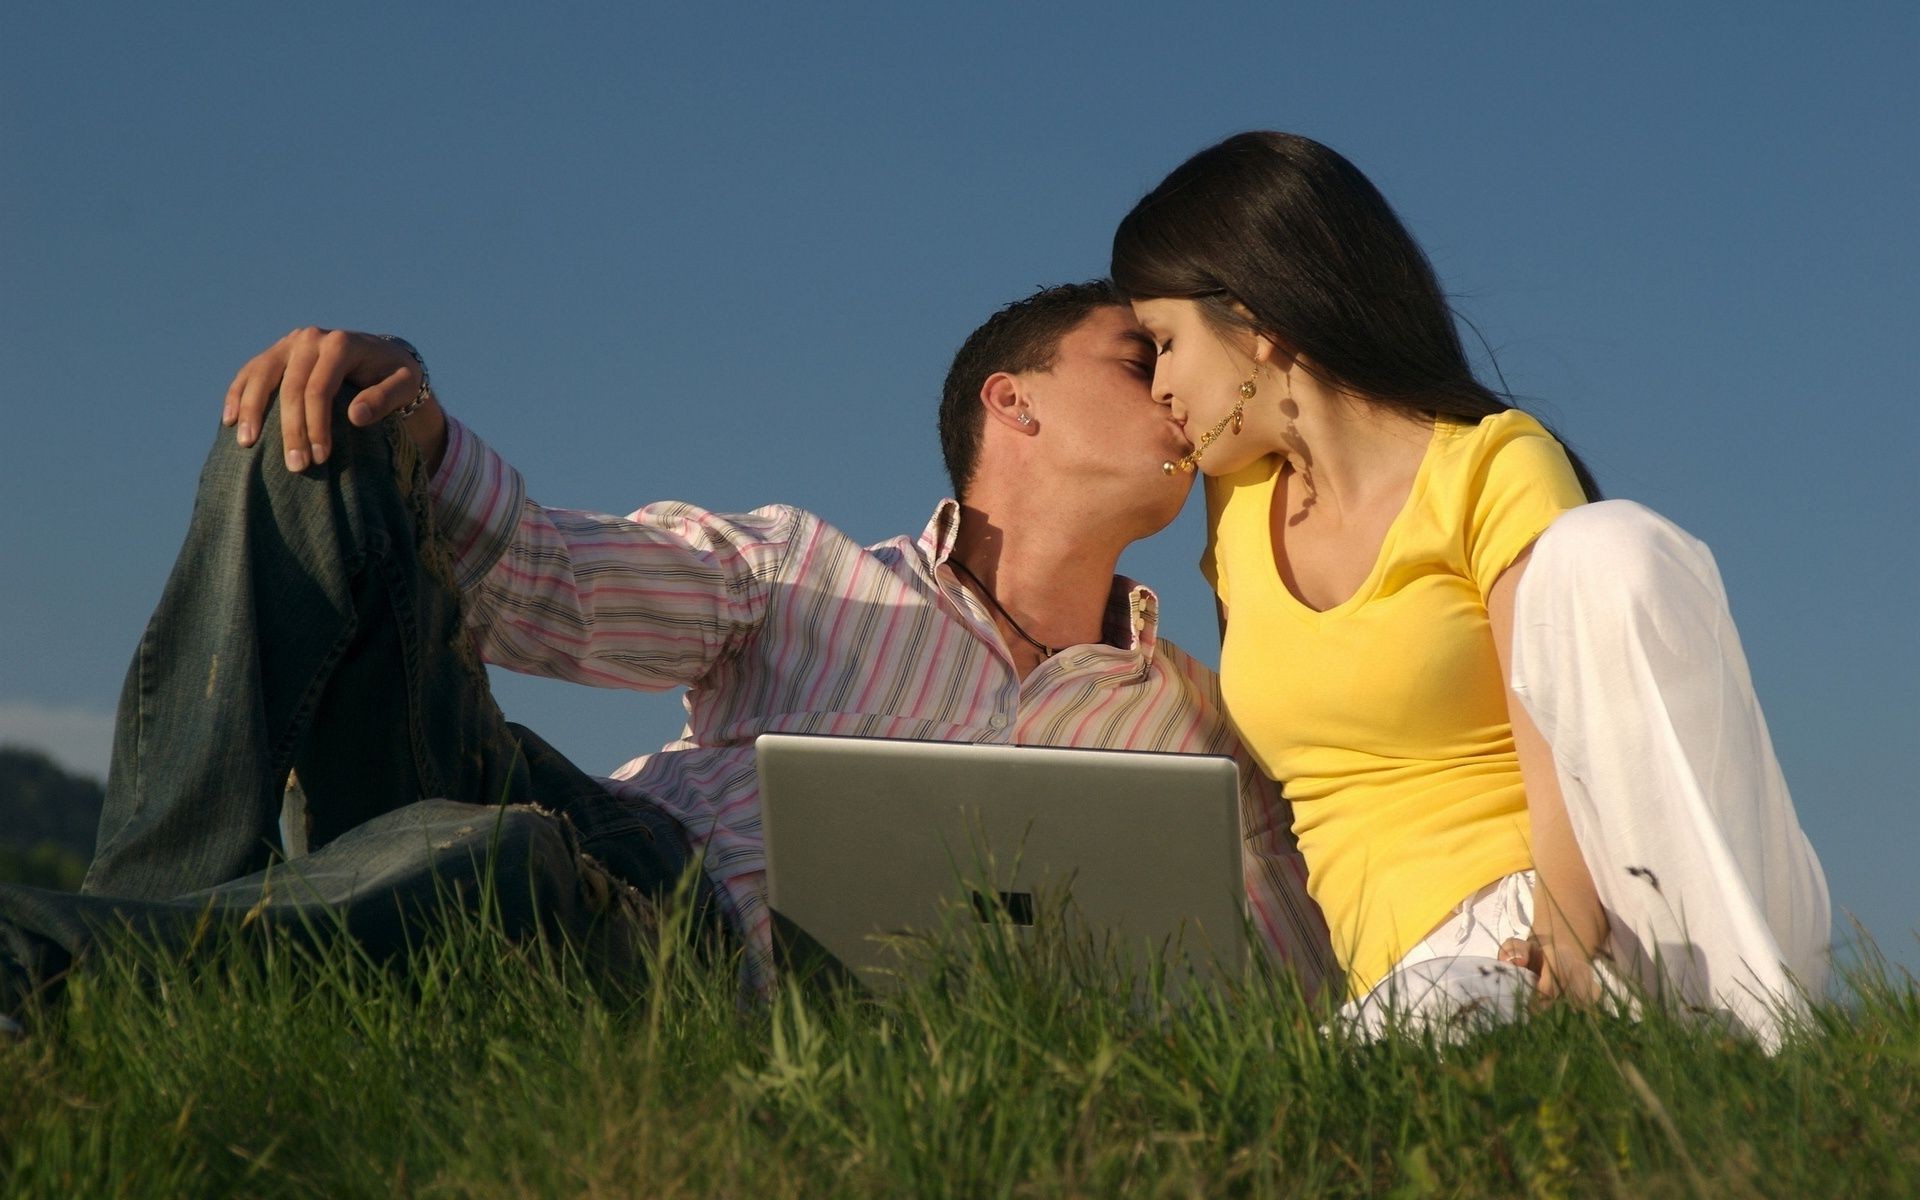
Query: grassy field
[(493, 1070)]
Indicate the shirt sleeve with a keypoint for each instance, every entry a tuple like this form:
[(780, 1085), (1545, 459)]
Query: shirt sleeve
[(1523, 481), (476, 503), (650, 600)]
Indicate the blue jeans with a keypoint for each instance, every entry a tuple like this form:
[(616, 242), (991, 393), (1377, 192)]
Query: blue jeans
[(311, 624)]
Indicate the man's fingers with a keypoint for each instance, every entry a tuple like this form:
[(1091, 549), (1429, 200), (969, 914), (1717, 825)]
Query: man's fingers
[(257, 381), (323, 384), (302, 351), (379, 399), (230, 406), (307, 368), (246, 418)]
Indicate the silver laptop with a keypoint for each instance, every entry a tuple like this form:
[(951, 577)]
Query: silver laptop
[(869, 838)]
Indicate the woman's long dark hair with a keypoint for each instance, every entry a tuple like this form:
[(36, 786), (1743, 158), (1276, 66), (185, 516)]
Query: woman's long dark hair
[(1297, 235)]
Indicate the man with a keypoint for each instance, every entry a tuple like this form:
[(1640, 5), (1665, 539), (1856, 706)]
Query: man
[(338, 577)]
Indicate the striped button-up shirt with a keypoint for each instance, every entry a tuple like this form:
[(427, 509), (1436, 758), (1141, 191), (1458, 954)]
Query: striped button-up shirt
[(777, 622)]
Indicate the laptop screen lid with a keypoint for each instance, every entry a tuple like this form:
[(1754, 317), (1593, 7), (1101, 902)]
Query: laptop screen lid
[(869, 837)]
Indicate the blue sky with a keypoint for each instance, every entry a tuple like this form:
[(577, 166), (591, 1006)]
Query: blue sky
[(723, 253)]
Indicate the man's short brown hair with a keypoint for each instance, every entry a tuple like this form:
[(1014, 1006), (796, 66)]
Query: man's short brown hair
[(1023, 336)]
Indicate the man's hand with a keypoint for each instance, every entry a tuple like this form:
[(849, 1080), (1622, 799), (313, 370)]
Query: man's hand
[(309, 366)]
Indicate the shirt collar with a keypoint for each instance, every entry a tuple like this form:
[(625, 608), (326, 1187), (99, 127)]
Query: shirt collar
[(1132, 620), (937, 540)]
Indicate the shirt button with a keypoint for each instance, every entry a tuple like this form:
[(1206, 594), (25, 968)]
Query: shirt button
[(996, 721)]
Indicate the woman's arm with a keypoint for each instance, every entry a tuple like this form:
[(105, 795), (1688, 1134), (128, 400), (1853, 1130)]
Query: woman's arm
[(1569, 926)]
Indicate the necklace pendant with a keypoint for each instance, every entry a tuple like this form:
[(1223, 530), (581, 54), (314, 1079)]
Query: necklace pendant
[(993, 601)]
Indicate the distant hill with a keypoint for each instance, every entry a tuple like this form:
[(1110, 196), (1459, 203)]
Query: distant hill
[(47, 819)]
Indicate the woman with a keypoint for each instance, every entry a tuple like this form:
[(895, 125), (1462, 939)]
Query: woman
[(1516, 727)]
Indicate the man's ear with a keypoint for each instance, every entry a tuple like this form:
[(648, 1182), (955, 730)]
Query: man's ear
[(1006, 402)]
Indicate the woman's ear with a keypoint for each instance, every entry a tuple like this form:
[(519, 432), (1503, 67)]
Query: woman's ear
[(1006, 402), (1269, 353)]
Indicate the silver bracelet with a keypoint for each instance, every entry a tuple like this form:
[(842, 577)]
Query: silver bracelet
[(426, 385)]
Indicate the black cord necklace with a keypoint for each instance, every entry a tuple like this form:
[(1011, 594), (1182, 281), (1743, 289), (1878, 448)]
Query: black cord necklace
[(1045, 650)]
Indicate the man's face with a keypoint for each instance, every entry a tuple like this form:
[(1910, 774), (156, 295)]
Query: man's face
[(1101, 432)]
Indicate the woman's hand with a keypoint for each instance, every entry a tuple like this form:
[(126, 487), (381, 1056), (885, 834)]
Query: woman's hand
[(1555, 975), (308, 367), (1521, 952)]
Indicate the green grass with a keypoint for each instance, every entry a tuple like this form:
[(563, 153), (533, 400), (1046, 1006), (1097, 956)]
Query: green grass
[(495, 1070)]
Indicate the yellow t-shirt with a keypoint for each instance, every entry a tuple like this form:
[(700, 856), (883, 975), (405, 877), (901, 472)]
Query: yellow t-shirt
[(1385, 717)]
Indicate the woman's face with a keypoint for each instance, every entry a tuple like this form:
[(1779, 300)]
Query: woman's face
[(1197, 373)]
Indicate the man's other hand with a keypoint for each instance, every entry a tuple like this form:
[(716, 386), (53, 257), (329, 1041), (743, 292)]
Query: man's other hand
[(308, 367)]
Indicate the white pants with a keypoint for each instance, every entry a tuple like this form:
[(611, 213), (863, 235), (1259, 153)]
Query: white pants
[(1626, 657), (1452, 981)]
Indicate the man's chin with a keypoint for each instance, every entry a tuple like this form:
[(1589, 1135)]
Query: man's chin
[(1135, 503), (1156, 503)]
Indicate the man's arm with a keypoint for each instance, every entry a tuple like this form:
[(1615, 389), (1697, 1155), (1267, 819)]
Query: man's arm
[(651, 600)]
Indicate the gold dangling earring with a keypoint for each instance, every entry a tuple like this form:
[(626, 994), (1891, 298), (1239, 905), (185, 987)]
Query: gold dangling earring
[(1247, 390)]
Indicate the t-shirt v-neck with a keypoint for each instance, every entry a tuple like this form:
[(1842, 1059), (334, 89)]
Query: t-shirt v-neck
[(1367, 585)]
